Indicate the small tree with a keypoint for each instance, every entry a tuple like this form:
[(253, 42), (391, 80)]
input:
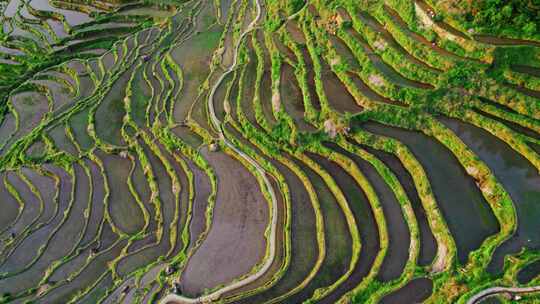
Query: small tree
[(529, 28)]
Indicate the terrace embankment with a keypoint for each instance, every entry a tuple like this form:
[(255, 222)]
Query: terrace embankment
[(468, 215), (303, 235), (416, 291), (517, 175), (266, 152), (428, 245), (365, 219), (337, 237)]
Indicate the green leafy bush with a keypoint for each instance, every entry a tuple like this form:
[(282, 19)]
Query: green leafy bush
[(507, 15)]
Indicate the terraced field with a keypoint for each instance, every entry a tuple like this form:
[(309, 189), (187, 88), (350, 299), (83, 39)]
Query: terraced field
[(267, 151)]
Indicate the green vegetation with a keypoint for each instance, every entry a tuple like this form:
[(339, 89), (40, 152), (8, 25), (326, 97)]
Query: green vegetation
[(513, 16), (320, 151)]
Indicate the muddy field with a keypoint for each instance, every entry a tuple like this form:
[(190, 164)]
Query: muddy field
[(268, 152)]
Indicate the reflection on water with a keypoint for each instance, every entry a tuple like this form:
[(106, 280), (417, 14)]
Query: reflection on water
[(518, 177), (528, 273), (415, 291), (465, 210), (11, 8), (72, 17)]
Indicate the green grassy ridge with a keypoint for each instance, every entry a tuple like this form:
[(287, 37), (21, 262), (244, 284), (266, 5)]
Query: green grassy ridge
[(513, 117), (249, 128), (34, 224), (284, 140), (507, 19), (283, 189), (228, 92), (35, 62), (23, 143), (455, 43), (91, 132), (64, 218), (257, 140), (285, 193), (390, 54), (42, 248), (391, 180)]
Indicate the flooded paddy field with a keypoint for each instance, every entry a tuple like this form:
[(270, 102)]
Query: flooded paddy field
[(235, 238), (366, 224), (521, 179), (256, 151), (469, 217), (415, 291)]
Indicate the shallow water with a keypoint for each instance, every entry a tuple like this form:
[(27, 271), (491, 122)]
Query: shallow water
[(428, 245), (72, 17), (504, 41), (339, 98), (365, 220), (337, 239), (416, 291), (292, 99), (465, 210), (518, 177), (235, 242), (123, 208), (303, 235), (378, 27), (529, 272), (200, 202)]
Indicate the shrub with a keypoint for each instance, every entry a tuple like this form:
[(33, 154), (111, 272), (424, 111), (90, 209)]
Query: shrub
[(509, 16)]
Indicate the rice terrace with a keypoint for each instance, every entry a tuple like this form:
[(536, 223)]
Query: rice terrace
[(270, 151)]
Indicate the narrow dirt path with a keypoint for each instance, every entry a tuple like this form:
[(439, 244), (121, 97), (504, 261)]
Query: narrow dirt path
[(490, 292), (273, 224)]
